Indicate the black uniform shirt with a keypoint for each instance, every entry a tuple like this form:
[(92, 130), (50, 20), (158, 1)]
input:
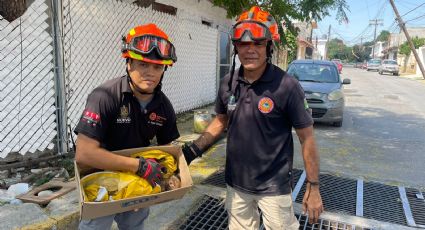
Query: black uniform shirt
[(113, 117), (259, 140)]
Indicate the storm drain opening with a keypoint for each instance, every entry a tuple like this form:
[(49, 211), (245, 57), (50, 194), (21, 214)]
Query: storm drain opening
[(338, 194), (417, 205), (376, 201), (382, 202), (216, 179), (212, 215)]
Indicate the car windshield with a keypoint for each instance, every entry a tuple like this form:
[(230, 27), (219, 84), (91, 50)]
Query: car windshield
[(375, 61), (314, 72), (390, 62)]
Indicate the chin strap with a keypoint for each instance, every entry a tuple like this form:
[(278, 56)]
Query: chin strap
[(269, 51), (157, 88)]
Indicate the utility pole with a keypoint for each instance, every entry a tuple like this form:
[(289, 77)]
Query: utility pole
[(375, 23), (327, 43), (412, 47)]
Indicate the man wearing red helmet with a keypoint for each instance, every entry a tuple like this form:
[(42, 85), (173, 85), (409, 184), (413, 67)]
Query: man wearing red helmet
[(128, 112), (259, 104)]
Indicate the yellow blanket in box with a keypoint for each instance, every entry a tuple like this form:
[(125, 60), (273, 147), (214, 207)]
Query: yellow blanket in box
[(106, 185)]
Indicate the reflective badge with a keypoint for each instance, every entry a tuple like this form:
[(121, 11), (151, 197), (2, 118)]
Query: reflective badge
[(265, 105), (90, 117)]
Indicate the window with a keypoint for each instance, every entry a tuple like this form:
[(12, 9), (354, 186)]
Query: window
[(314, 72), (224, 54)]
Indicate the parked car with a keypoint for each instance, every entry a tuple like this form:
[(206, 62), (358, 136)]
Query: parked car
[(389, 66), (338, 64), (373, 64), (358, 65), (323, 89)]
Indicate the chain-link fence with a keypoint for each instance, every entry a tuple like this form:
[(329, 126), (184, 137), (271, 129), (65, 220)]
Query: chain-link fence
[(36, 68), (27, 98)]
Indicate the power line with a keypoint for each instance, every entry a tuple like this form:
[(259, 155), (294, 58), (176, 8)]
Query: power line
[(415, 18), (412, 9), (375, 23)]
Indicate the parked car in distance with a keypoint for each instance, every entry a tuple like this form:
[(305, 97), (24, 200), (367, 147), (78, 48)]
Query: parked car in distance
[(338, 64), (389, 66), (323, 89), (373, 64), (358, 65)]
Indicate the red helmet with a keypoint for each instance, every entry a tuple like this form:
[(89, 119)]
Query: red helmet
[(150, 44), (254, 25)]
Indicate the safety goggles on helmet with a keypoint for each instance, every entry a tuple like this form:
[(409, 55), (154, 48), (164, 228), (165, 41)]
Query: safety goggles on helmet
[(255, 30), (146, 44)]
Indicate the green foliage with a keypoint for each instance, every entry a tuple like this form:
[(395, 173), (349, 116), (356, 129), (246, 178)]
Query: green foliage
[(337, 49), (362, 53), (405, 48), (383, 36), (291, 46)]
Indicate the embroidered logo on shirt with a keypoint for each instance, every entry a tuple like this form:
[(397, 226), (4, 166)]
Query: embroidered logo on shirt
[(155, 119), (123, 117), (90, 117), (265, 105)]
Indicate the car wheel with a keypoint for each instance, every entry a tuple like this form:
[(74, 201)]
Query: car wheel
[(367, 69), (337, 124), (380, 72), (396, 74)]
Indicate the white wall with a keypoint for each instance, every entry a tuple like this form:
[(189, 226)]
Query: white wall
[(321, 48), (201, 10), (421, 54)]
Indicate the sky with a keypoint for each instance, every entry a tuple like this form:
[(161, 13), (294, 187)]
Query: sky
[(361, 11)]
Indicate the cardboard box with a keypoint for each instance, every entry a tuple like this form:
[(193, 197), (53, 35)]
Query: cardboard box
[(90, 210)]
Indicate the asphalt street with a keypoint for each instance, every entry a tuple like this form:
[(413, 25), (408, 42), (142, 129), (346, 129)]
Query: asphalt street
[(383, 133)]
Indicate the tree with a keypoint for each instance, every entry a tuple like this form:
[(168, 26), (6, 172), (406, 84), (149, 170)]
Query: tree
[(338, 50), (12, 9), (362, 52), (405, 48), (383, 36)]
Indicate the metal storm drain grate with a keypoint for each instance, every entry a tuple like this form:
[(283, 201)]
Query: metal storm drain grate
[(383, 203), (212, 215), (326, 224), (209, 215), (417, 205), (216, 179), (338, 194)]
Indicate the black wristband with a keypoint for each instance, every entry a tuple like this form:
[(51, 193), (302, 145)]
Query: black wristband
[(195, 149), (313, 183), (142, 167)]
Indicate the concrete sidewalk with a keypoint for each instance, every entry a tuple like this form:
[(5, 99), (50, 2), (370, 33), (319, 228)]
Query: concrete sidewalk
[(417, 77), (63, 212)]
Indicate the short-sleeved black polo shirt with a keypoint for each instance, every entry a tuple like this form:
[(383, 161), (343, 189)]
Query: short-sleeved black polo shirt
[(259, 140), (113, 116)]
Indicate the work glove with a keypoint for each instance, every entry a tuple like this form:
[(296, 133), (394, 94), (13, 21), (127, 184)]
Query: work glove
[(191, 152), (150, 170)]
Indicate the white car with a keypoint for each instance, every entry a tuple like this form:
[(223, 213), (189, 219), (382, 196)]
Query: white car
[(389, 66)]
